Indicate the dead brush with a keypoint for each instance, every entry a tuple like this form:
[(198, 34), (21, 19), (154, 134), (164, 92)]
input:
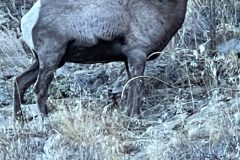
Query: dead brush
[(190, 77), (13, 56)]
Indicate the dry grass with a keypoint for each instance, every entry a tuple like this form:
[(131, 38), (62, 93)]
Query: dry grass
[(12, 53), (191, 106)]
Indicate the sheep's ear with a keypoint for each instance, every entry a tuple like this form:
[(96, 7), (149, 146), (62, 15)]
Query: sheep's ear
[(28, 21)]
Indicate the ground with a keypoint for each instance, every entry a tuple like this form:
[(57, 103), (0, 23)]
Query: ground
[(190, 102)]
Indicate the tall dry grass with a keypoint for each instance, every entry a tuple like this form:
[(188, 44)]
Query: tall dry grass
[(191, 111)]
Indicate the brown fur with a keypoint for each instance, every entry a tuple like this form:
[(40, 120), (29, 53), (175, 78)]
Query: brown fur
[(98, 31)]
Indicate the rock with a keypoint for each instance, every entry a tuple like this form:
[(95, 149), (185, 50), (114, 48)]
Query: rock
[(231, 46)]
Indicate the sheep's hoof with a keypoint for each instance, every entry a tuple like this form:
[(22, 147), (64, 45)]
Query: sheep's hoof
[(133, 114), (18, 116), (113, 97)]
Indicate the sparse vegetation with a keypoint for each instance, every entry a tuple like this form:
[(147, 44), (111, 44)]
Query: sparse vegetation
[(191, 99)]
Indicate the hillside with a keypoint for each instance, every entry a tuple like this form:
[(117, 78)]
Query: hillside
[(191, 97)]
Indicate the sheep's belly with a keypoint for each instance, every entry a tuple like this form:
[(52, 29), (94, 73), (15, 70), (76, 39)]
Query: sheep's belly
[(28, 21), (102, 52)]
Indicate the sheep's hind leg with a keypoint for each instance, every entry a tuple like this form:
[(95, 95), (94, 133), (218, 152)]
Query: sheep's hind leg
[(47, 66), (21, 84)]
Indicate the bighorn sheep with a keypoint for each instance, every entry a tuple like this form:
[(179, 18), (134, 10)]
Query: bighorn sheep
[(95, 31)]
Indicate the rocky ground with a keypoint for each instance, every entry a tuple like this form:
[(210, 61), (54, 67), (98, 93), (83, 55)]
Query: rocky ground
[(190, 103)]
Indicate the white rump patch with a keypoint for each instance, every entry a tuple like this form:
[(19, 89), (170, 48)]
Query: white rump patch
[(28, 21)]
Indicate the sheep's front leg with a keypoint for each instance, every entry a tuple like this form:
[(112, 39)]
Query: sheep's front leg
[(136, 63)]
